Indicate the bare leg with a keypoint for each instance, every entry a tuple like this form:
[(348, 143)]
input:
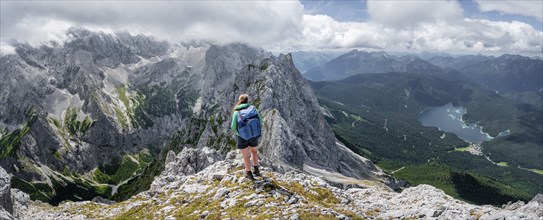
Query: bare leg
[(246, 158), (254, 153)]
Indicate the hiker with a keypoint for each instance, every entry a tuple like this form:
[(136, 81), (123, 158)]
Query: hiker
[(246, 123)]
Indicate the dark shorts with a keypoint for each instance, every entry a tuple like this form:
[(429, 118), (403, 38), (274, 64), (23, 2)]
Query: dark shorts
[(242, 144)]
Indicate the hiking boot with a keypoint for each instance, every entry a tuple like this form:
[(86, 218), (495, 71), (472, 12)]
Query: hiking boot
[(256, 171), (249, 175)]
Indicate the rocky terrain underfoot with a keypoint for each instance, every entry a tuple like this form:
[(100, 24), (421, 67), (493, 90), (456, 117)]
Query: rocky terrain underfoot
[(220, 191)]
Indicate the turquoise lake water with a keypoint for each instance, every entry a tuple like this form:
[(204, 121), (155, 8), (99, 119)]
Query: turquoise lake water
[(449, 119)]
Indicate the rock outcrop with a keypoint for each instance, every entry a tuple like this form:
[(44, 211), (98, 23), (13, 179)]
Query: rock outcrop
[(6, 206), (190, 161), (295, 133), (221, 191)]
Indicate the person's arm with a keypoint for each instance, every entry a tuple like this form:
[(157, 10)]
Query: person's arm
[(234, 124)]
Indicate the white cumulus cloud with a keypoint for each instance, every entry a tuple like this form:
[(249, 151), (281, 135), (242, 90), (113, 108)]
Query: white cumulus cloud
[(461, 36), (407, 14), (530, 8), (407, 26), (254, 22)]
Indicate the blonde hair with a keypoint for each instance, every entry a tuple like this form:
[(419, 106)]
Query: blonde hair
[(243, 98)]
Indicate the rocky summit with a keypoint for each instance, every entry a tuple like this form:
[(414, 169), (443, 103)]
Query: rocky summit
[(220, 191)]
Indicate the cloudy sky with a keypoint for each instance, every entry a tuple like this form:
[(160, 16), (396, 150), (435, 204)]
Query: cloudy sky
[(452, 26)]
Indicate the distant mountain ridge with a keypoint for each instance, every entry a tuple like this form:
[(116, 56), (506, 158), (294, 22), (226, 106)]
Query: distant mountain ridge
[(357, 62), (457, 62), (305, 60), (514, 76), (508, 73)]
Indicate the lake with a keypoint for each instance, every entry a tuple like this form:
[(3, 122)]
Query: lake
[(449, 119)]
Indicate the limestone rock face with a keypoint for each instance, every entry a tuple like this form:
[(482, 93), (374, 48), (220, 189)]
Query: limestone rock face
[(6, 205), (189, 161), (21, 202), (99, 98), (82, 74), (295, 133)]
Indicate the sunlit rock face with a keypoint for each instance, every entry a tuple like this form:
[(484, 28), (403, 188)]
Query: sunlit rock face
[(97, 111)]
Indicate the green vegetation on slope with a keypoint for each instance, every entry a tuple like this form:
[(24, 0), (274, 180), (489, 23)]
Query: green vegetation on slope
[(376, 116), (524, 180), (468, 186), (63, 188), (71, 186), (121, 169), (158, 101), (135, 115), (73, 126), (152, 101), (9, 143), (145, 175)]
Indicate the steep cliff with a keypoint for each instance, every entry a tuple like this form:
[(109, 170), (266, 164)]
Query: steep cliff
[(90, 117)]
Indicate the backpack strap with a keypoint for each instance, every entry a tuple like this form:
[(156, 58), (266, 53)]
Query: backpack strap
[(242, 120)]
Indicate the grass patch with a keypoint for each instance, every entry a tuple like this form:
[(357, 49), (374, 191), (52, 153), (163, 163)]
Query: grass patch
[(121, 118), (57, 155), (143, 180), (103, 190), (126, 170), (318, 195), (503, 164), (119, 170), (315, 215), (143, 211), (537, 171), (121, 90), (61, 189), (30, 189), (9, 143), (101, 177), (72, 126), (462, 149), (389, 165), (204, 203)]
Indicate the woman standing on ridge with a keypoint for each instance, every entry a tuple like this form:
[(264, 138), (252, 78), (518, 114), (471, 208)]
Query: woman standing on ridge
[(246, 123)]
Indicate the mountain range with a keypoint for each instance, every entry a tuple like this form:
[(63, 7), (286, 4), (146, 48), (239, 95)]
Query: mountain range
[(514, 76), (141, 126), (305, 60), (96, 115)]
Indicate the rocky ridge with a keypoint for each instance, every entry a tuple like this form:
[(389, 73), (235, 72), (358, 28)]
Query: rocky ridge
[(183, 191), (107, 107)]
